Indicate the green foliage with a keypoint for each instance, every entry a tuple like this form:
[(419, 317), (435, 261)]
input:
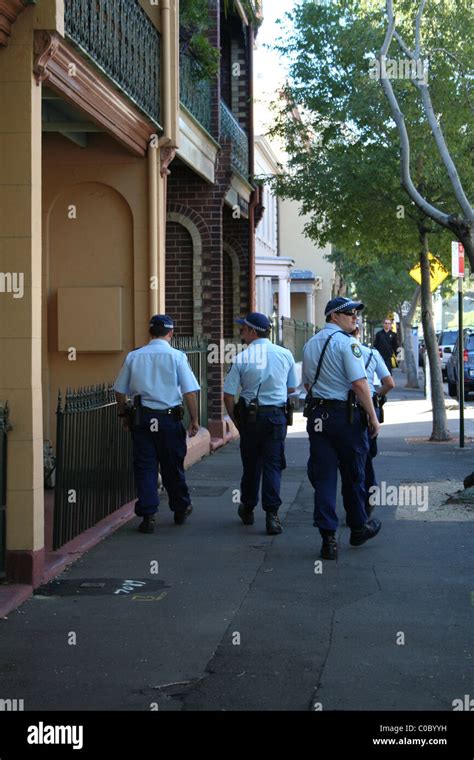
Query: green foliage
[(382, 289), (194, 25), (343, 163)]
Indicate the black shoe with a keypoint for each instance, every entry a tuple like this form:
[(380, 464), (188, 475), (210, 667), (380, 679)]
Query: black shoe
[(369, 530), (180, 517), (246, 514), (469, 480), (329, 547), (147, 525), (273, 524)]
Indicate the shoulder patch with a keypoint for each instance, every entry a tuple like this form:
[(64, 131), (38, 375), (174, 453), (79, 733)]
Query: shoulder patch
[(355, 348)]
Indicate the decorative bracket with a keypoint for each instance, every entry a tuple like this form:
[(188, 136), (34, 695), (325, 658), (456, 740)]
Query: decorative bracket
[(167, 156)]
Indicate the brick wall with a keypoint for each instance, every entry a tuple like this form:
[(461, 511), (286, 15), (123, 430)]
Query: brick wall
[(235, 233), (228, 296), (202, 204), (179, 277)]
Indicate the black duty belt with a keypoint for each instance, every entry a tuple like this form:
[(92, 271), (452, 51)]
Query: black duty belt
[(262, 408), (330, 403), (159, 411)]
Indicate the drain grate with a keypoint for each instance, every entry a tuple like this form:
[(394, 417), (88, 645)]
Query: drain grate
[(99, 587)]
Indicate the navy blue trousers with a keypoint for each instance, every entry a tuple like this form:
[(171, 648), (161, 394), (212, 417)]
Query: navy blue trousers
[(167, 448), (262, 448), (370, 478), (337, 444)]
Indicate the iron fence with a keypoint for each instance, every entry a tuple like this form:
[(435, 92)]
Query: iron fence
[(4, 428), (121, 40), (195, 90), (94, 462), (295, 333), (195, 349)]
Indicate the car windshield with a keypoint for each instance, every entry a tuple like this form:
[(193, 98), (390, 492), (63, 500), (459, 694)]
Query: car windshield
[(448, 338), (469, 342)]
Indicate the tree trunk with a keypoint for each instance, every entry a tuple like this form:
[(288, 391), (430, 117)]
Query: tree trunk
[(401, 340), (411, 361), (440, 423), (468, 242)]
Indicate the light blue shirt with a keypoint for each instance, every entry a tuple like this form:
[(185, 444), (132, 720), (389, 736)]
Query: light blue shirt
[(266, 365), (342, 363), (376, 366), (157, 372)]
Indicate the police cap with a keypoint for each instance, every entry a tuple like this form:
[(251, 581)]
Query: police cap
[(162, 320), (256, 321), (342, 304)]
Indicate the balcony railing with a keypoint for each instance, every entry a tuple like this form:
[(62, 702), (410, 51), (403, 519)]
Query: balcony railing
[(195, 90), (121, 40), (231, 130)]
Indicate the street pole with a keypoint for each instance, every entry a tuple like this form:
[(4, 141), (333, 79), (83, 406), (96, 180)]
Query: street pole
[(461, 363)]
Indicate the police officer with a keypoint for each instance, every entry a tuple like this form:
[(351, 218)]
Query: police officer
[(374, 365), (333, 366), (161, 376), (266, 375)]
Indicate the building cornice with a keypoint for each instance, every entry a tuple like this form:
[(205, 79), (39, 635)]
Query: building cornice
[(65, 71), (9, 12)]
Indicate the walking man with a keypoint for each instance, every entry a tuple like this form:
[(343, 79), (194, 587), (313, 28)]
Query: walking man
[(332, 368), (158, 377), (386, 343), (266, 375)]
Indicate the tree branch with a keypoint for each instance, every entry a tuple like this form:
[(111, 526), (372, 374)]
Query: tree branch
[(436, 214), (444, 152), (419, 16)]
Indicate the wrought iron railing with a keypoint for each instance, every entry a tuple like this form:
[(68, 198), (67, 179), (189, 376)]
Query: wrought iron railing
[(231, 130), (295, 333), (195, 90), (94, 462), (195, 349), (4, 428), (121, 40)]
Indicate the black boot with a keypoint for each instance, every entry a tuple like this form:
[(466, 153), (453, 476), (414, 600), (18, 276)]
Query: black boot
[(180, 517), (329, 547), (469, 480), (246, 514), (369, 530), (273, 524), (147, 525)]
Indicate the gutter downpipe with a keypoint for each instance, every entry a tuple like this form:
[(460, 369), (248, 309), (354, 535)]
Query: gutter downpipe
[(256, 192)]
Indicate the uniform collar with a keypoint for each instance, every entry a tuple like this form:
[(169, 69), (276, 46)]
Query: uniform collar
[(259, 340), (332, 326), (159, 342)]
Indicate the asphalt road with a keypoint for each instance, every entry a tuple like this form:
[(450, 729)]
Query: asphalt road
[(229, 618)]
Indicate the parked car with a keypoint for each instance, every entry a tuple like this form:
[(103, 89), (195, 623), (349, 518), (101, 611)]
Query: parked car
[(453, 363), (446, 342)]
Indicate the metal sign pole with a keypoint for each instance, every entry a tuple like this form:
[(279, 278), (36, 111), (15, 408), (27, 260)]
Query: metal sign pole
[(461, 363)]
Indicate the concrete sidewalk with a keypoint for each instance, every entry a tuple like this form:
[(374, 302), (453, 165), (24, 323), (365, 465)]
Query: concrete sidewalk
[(229, 618)]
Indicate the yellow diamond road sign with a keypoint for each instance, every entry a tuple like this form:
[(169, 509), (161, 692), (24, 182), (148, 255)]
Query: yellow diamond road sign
[(438, 273)]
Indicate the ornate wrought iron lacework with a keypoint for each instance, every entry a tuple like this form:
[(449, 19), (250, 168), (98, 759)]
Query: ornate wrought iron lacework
[(120, 38), (231, 129), (195, 90)]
